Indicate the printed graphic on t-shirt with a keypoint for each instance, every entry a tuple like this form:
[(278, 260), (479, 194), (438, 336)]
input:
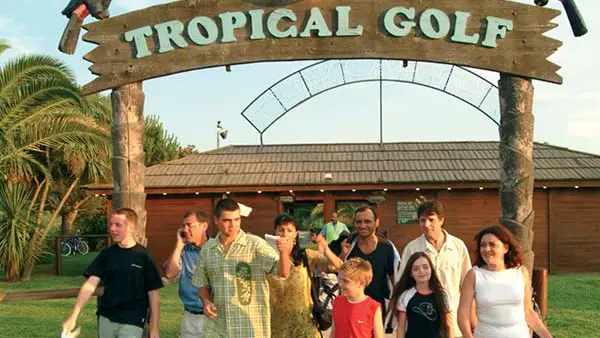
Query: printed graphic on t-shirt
[(427, 310), (243, 274)]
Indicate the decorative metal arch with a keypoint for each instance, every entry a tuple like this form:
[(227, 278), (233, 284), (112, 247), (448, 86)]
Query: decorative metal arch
[(300, 86)]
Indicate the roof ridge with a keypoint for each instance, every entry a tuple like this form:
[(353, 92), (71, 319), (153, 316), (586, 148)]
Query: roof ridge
[(566, 149), (378, 155), (350, 143)]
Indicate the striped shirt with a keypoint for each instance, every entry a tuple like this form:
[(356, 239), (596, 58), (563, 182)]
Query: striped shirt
[(238, 283)]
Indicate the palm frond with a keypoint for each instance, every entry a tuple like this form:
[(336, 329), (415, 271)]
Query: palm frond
[(14, 230), (42, 104), (3, 46), (29, 69)]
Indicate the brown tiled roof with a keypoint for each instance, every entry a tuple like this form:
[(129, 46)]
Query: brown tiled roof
[(364, 163)]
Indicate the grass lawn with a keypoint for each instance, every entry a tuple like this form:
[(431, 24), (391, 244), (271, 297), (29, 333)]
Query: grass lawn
[(43, 277), (574, 306), (574, 309)]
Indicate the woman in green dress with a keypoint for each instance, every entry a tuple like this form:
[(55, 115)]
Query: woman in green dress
[(291, 304)]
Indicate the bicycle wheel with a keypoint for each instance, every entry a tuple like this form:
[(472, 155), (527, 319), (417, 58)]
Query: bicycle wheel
[(83, 248), (65, 249)]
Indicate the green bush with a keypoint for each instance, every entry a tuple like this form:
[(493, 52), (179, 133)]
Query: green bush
[(93, 224)]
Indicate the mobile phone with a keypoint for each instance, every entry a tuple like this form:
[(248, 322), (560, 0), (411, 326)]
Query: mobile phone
[(182, 234)]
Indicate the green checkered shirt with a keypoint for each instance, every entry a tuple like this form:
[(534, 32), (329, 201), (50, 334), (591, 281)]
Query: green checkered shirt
[(238, 283)]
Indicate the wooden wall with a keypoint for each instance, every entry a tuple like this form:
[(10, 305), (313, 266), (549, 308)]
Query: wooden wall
[(165, 214), (164, 217), (567, 221), (467, 211), (575, 230)]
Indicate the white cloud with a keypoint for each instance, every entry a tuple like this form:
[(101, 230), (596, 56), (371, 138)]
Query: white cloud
[(4, 23), (20, 45), (584, 128), (10, 26), (594, 96), (548, 93), (133, 5)]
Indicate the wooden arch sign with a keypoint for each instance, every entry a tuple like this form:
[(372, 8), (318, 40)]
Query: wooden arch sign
[(496, 35)]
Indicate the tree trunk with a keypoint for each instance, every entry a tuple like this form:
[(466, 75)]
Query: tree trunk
[(31, 251), (42, 205), (67, 222), (128, 153), (38, 188), (30, 258), (516, 159), (12, 273), (40, 234)]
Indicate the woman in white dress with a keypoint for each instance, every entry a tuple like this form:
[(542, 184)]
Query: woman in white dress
[(500, 286)]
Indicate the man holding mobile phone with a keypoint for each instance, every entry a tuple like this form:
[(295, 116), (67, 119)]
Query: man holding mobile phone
[(191, 236)]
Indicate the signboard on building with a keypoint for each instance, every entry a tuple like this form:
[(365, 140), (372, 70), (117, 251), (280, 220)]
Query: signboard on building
[(286, 199), (406, 212)]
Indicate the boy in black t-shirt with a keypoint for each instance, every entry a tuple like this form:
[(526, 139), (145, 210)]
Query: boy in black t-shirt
[(131, 283)]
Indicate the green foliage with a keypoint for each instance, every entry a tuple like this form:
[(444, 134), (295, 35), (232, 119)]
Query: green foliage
[(49, 140), (308, 216), (40, 108), (313, 218), (159, 145), (14, 230), (346, 211), (93, 224)]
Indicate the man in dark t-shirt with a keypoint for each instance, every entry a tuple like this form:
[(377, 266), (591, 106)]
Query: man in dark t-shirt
[(131, 283), (377, 250), (382, 263)]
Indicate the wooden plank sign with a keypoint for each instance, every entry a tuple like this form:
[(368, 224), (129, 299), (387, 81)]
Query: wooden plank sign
[(497, 35)]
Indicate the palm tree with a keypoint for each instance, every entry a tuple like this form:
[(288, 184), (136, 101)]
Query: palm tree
[(80, 164), (40, 117)]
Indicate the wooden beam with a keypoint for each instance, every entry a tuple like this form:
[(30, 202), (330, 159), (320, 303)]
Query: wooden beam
[(348, 187), (328, 206), (43, 294)]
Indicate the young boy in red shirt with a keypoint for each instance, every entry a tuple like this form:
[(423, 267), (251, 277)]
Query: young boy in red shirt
[(356, 315)]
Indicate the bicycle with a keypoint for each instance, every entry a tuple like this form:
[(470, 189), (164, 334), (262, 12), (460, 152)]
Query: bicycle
[(74, 244)]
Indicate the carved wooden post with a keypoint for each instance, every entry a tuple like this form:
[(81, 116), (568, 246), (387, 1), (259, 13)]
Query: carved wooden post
[(516, 159), (128, 153)]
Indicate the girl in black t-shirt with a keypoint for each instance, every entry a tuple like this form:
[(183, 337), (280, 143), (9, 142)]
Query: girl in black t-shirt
[(419, 301)]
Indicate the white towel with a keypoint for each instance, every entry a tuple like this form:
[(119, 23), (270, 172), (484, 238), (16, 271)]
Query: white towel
[(272, 241), (245, 210), (72, 334)]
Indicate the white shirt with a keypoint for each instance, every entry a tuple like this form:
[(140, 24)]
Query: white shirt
[(500, 297), (451, 264)]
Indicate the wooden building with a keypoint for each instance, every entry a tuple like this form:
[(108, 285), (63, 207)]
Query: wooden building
[(463, 175)]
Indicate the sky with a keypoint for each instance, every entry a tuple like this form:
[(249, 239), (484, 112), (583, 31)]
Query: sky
[(189, 104)]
